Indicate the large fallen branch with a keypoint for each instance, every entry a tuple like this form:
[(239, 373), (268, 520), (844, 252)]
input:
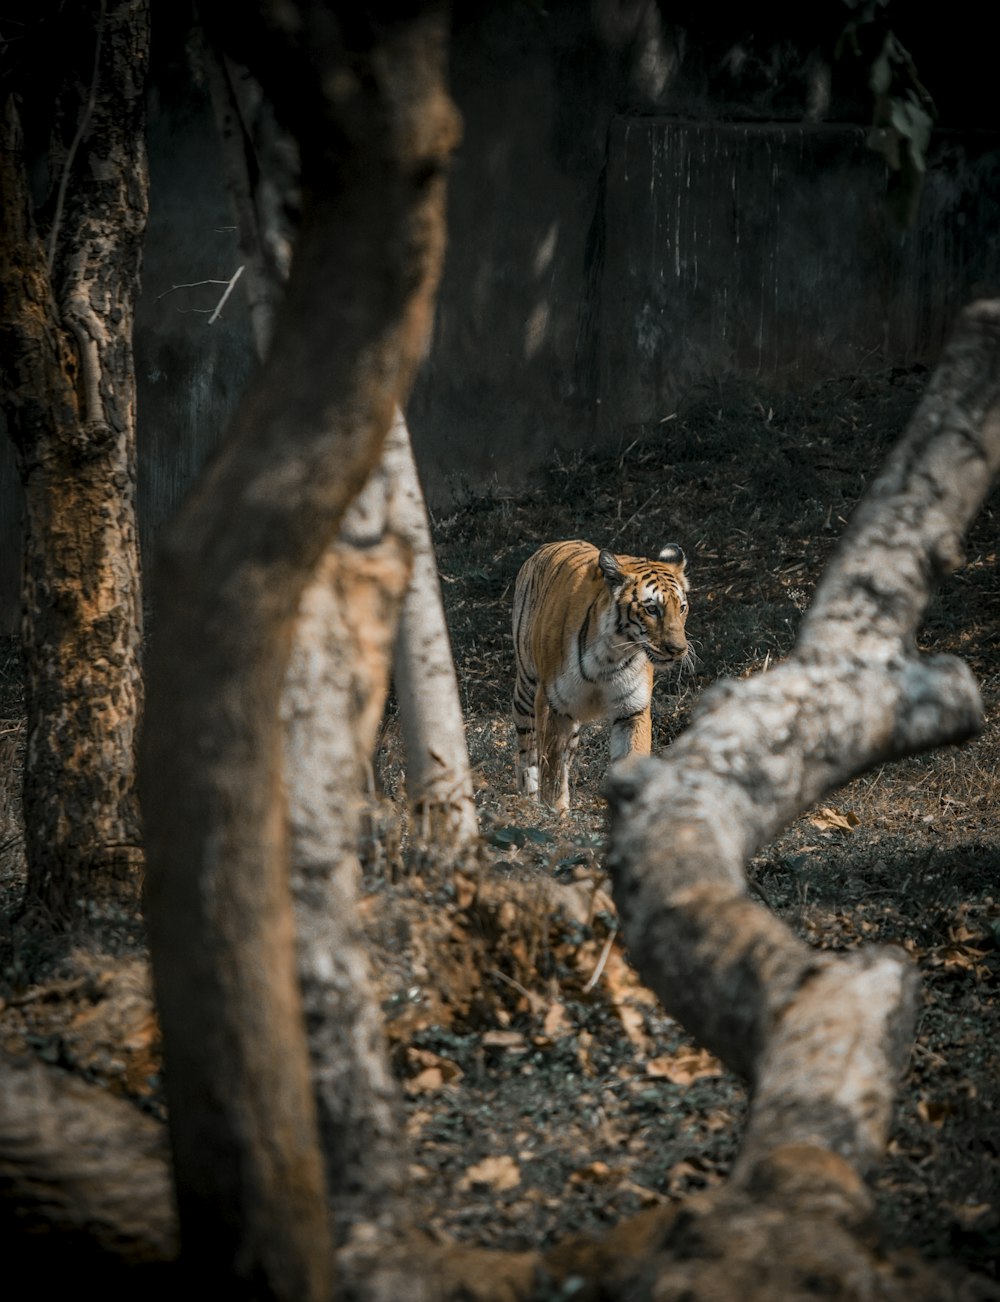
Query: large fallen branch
[(821, 1036)]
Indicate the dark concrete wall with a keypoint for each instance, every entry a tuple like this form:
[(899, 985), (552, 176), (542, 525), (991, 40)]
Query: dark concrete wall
[(768, 252), (612, 246)]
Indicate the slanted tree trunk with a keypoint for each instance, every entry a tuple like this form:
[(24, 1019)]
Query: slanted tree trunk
[(334, 696), (365, 100), (822, 1037), (258, 176), (68, 280)]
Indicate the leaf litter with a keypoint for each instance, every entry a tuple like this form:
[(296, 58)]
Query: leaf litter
[(546, 1091)]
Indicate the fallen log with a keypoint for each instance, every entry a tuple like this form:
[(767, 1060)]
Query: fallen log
[(821, 1037)]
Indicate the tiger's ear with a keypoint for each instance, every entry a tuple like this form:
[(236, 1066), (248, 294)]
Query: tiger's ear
[(610, 568), (673, 554)]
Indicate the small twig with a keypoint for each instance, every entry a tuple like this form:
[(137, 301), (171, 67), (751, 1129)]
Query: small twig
[(193, 284), (532, 999), (43, 994), (222, 301), (595, 976), (635, 514)]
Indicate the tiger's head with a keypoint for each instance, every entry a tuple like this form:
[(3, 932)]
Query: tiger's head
[(651, 601)]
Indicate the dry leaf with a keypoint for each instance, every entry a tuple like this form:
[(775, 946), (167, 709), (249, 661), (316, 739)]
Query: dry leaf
[(513, 1041), (434, 1071), (497, 1173), (933, 1113), (685, 1067), (830, 820), (425, 1082), (465, 890), (595, 1173), (634, 1025), (556, 1020)]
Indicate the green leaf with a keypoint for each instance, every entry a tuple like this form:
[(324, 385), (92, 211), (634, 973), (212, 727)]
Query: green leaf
[(539, 836), (504, 836)]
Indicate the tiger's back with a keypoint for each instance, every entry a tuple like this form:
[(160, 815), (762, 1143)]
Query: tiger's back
[(589, 629)]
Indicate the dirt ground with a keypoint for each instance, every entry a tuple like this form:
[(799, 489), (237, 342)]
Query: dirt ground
[(546, 1091)]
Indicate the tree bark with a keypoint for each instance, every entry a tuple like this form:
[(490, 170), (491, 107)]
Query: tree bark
[(78, 1162), (367, 104), (69, 400), (333, 700), (438, 774), (822, 1037)]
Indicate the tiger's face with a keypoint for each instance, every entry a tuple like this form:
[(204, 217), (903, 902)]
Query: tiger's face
[(651, 602)]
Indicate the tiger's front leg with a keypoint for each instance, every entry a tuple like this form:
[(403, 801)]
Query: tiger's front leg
[(523, 712), (558, 739), (632, 735)]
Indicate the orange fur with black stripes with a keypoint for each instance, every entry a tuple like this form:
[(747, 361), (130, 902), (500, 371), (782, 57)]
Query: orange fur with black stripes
[(590, 629)]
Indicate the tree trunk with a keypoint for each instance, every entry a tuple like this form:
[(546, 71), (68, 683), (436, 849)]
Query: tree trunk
[(79, 1163), (367, 105), (438, 775), (69, 400), (821, 1036), (333, 700)]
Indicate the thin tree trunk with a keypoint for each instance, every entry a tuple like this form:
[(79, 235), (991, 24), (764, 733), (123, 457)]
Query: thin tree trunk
[(375, 139), (821, 1036), (69, 400), (438, 774), (333, 702)]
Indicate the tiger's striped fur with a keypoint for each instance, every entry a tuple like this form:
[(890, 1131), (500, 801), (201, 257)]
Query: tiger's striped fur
[(590, 628)]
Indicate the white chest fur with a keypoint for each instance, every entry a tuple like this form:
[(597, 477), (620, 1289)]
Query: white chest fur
[(604, 677)]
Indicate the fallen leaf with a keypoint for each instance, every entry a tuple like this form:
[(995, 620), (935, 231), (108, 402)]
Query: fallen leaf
[(433, 1072), (595, 1173), (830, 820), (497, 1173), (511, 1040), (634, 1025), (425, 1082), (556, 1021), (934, 1112), (685, 1067), (465, 890)]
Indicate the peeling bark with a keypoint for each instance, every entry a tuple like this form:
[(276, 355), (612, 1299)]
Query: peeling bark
[(375, 140), (822, 1037), (69, 401)]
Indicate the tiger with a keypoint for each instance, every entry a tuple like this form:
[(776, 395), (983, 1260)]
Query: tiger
[(590, 629)]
